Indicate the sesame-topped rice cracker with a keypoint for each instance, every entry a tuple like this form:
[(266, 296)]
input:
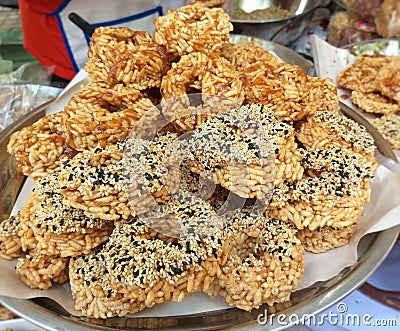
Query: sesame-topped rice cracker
[(193, 28), (25, 229), (265, 263), (149, 267), (389, 127), (94, 182), (192, 258), (42, 271), (253, 151), (10, 243), (325, 238), (60, 229), (325, 129), (96, 295), (146, 170), (332, 192), (201, 187)]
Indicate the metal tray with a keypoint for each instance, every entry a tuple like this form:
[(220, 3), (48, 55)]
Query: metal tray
[(384, 46), (46, 313)]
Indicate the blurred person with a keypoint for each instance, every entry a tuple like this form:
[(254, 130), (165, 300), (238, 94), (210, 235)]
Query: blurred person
[(61, 46)]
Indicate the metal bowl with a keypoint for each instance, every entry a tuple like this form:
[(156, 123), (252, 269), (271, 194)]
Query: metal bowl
[(283, 30)]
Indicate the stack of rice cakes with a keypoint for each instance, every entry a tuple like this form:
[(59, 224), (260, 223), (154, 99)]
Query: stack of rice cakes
[(374, 81), (80, 224)]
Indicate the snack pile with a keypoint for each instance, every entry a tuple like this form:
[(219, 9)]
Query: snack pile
[(364, 20), (375, 84), (263, 131)]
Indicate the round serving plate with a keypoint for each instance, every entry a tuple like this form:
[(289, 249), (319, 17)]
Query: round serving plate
[(46, 313)]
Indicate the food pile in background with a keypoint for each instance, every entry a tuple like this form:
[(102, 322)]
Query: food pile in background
[(5, 314), (365, 20), (374, 81), (270, 13)]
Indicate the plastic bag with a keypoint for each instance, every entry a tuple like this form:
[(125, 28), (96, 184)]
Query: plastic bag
[(22, 90), (28, 73), (17, 100)]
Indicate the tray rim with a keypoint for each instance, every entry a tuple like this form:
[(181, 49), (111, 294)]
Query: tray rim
[(350, 46), (350, 279)]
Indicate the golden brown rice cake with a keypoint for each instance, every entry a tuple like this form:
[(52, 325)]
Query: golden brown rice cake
[(332, 192), (265, 263), (324, 129), (359, 77), (325, 238), (42, 271), (10, 243), (374, 102), (39, 148), (388, 80)]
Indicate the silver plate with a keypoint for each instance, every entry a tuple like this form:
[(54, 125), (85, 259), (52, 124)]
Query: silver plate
[(388, 46), (45, 313)]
